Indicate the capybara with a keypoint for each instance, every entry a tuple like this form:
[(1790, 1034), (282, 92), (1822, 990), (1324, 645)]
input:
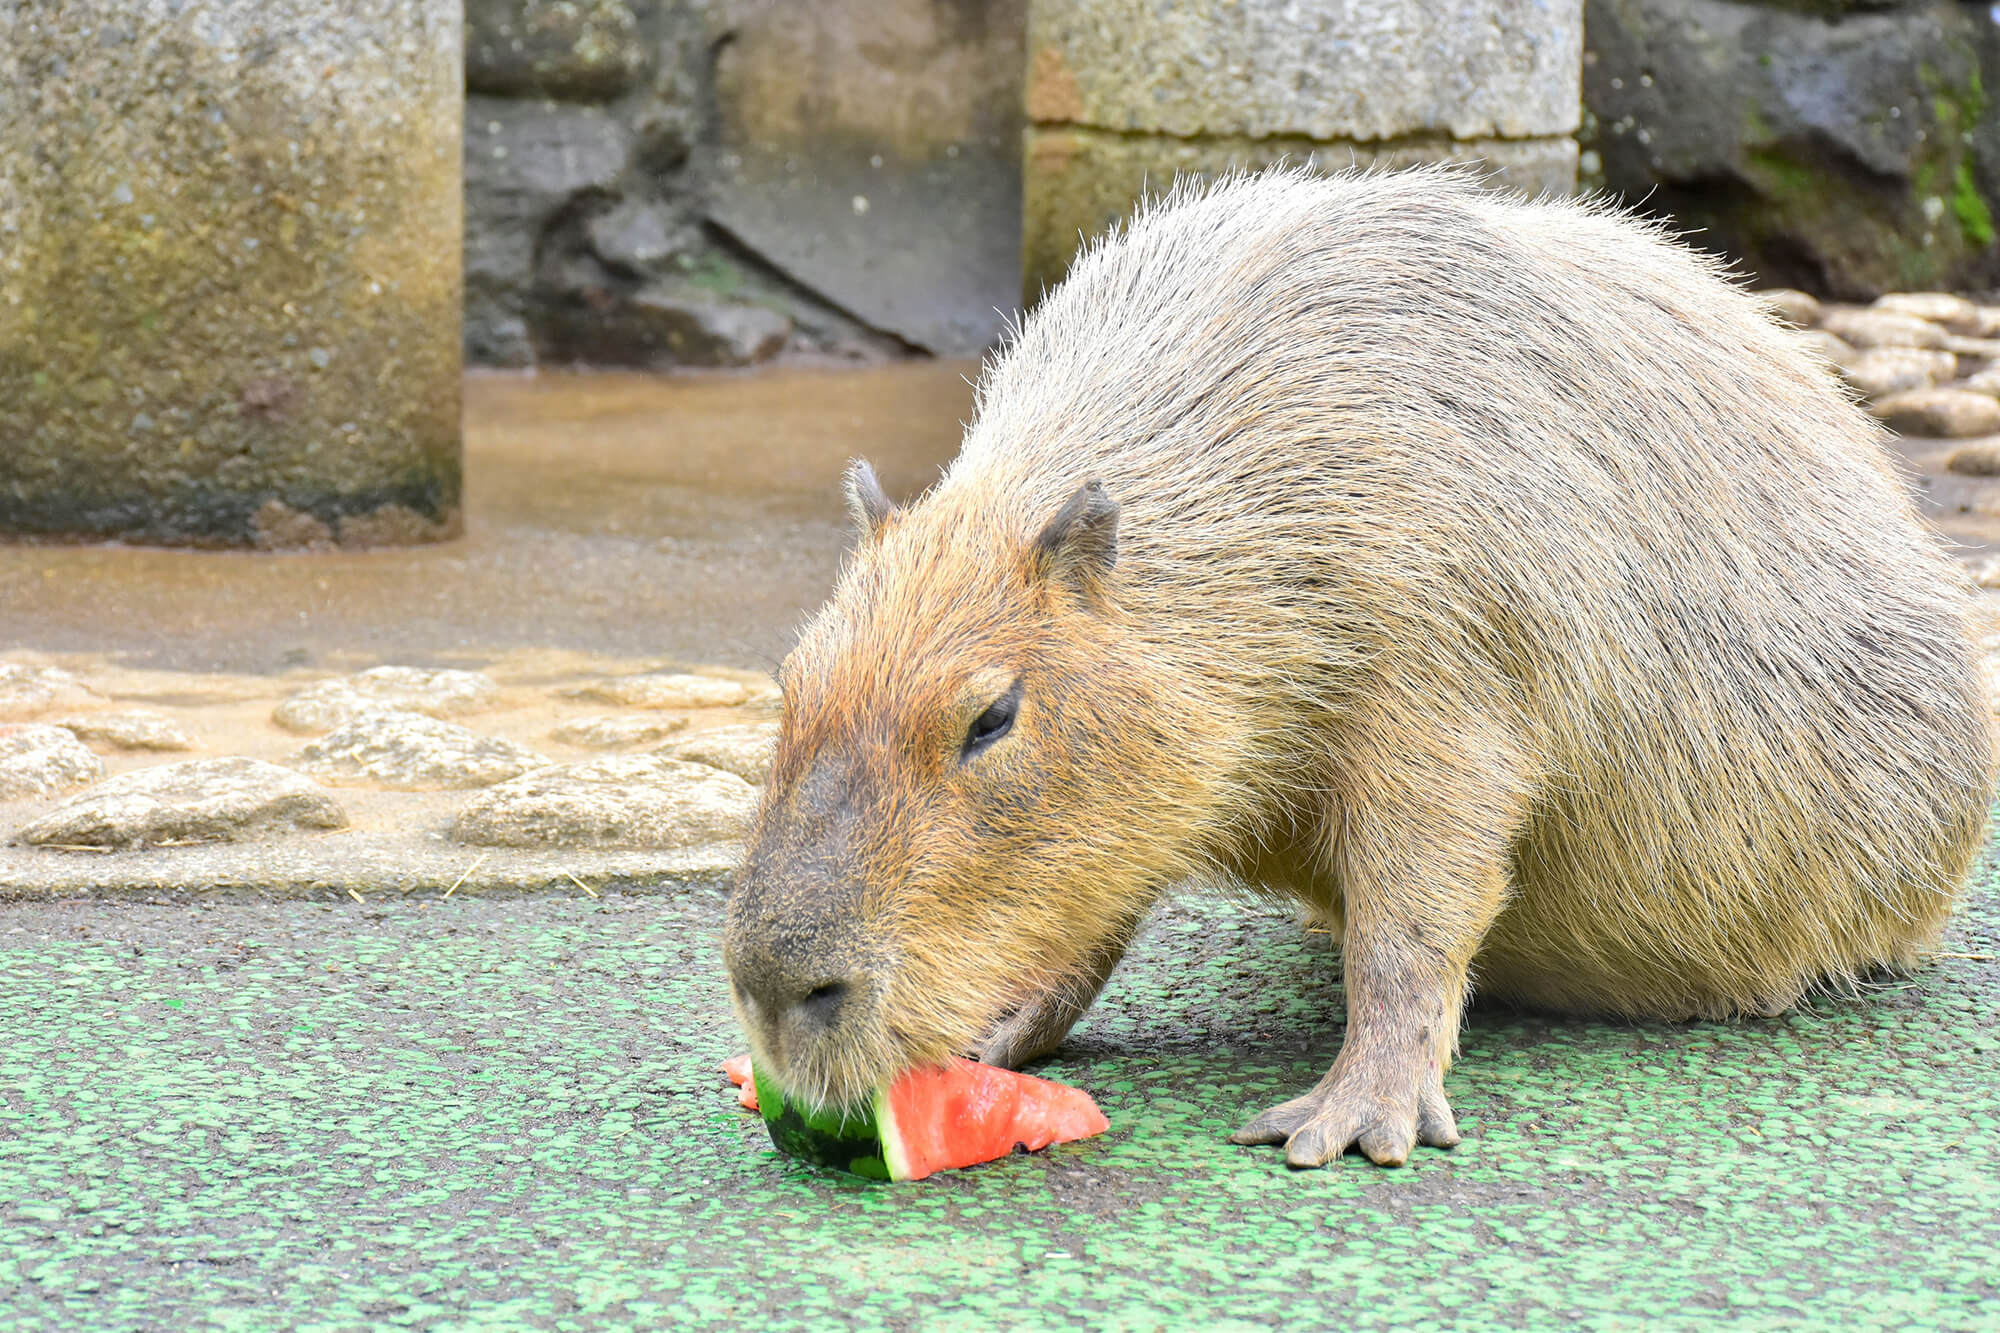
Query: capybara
[(1494, 579)]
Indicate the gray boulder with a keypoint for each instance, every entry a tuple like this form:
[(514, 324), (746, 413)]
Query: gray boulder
[(1824, 146)]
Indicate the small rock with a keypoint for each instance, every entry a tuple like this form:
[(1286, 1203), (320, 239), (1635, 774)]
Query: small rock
[(1799, 309), (1986, 381), (1989, 322), (326, 704), (617, 729), (131, 729), (1953, 314), (698, 330), (1875, 328), (198, 800), (744, 750), (1985, 571), (665, 689), (411, 752), (638, 235), (41, 761), (1945, 414), (1825, 346), (1975, 460), (1978, 352), (29, 691), (1886, 370), (628, 801)]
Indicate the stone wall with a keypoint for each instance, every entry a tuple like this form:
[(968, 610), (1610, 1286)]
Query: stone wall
[(229, 270), (1123, 95), (1846, 147), (660, 183)]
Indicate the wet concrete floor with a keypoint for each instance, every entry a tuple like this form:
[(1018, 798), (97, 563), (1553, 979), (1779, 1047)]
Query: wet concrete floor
[(690, 519)]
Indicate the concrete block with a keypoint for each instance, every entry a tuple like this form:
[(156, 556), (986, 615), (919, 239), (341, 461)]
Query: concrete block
[(1346, 69), (229, 270)]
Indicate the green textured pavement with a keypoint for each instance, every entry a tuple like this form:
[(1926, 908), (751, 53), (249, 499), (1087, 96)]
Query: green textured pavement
[(504, 1112)]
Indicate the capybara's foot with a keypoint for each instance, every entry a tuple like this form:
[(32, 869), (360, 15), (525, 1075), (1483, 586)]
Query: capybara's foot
[(1030, 1032), (1371, 1105)]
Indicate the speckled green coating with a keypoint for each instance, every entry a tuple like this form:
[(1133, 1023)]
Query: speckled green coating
[(506, 1113)]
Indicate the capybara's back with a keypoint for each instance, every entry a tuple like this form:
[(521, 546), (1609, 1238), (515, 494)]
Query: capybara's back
[(1493, 577)]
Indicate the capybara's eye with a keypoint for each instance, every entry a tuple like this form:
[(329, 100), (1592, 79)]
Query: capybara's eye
[(994, 723)]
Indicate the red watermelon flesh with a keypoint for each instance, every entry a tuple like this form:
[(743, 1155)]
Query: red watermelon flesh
[(929, 1119)]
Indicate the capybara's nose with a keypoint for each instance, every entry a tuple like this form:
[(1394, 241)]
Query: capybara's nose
[(782, 1004)]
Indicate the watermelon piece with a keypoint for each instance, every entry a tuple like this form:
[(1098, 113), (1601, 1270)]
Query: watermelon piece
[(926, 1120)]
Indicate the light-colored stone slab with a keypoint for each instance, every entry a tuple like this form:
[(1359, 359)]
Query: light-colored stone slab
[(628, 801), (327, 704), (744, 750), (199, 800), (412, 752), (37, 760), (1943, 414), (665, 689), (1880, 371), (129, 729), (30, 691), (612, 731)]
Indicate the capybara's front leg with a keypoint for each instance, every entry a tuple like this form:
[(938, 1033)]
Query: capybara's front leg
[(1385, 1092), (1421, 866), (1038, 1027)]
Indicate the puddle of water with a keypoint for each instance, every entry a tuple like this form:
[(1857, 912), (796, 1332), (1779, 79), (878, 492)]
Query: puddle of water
[(685, 519)]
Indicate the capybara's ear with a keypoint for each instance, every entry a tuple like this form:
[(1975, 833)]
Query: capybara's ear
[(1080, 544), (866, 500)]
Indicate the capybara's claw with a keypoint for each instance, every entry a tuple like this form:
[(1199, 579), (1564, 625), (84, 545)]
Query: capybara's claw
[(1351, 1109)]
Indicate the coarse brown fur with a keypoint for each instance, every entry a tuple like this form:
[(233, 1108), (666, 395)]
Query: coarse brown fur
[(1493, 578)]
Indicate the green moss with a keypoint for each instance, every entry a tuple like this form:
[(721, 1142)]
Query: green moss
[(1791, 180), (713, 274), (1974, 218)]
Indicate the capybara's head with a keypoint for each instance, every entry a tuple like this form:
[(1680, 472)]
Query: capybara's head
[(969, 794)]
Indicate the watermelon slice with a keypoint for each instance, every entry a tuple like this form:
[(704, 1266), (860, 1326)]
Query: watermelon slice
[(927, 1120)]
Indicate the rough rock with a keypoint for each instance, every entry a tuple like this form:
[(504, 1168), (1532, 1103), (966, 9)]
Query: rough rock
[(1954, 314), (1985, 571), (1886, 370), (614, 730), (1973, 354), (199, 800), (1946, 414), (436, 693), (1825, 346), (628, 801), (1797, 308), (411, 752), (664, 689), (525, 165), (38, 760), (1977, 460), (579, 50), (744, 750), (129, 729), (1986, 381), (660, 326), (30, 691), (639, 235), (1874, 328), (1844, 154)]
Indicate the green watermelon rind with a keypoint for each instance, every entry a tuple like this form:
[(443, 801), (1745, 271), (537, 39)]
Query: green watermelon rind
[(849, 1140)]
